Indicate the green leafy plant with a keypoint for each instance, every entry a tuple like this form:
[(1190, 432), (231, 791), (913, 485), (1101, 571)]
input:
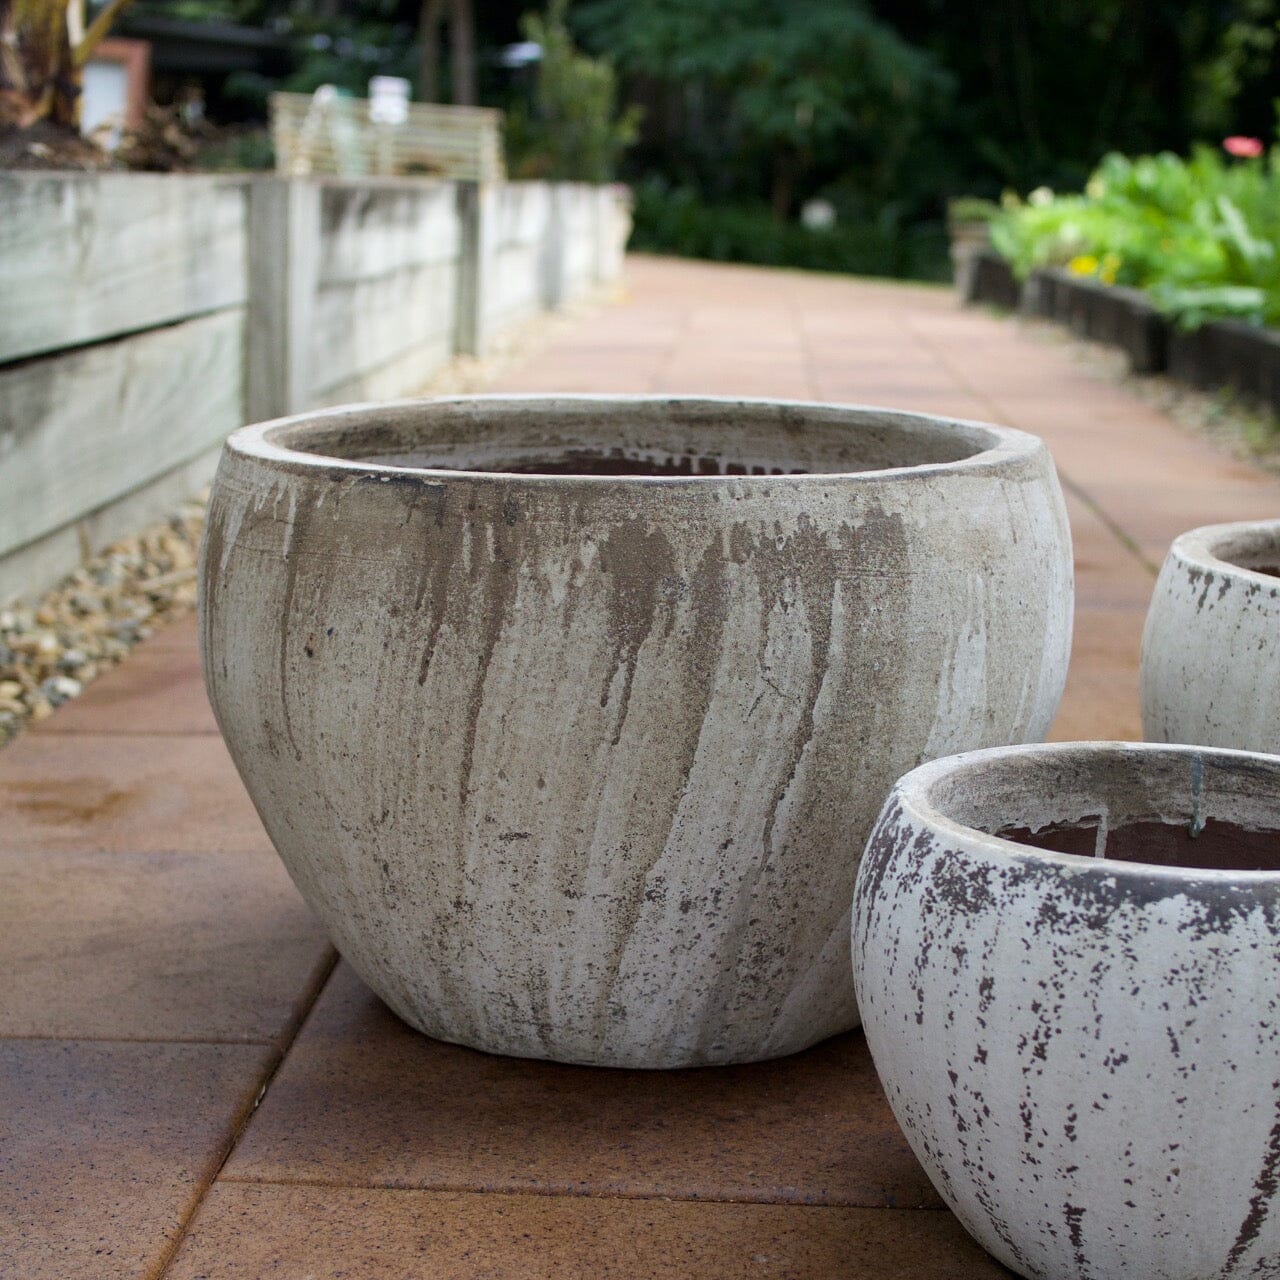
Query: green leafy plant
[(1202, 235), (971, 209), (574, 131)]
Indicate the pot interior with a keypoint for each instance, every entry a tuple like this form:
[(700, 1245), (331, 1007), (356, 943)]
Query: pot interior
[(1181, 809), (1252, 547), (588, 437), (1218, 846)]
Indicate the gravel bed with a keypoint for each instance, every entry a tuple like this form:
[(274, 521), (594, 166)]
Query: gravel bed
[(50, 650)]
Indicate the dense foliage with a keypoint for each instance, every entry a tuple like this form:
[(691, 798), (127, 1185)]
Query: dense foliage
[(887, 110), (1044, 88), (771, 98), (1201, 235)]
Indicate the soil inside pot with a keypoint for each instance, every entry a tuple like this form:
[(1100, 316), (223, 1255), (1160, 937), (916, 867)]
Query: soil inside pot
[(1218, 846), (590, 462)]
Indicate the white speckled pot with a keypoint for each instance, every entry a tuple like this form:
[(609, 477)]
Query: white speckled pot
[(569, 717), (1211, 646), (1074, 1005)]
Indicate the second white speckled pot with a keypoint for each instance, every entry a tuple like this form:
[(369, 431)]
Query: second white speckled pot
[(569, 717), (1068, 966), (1211, 645)]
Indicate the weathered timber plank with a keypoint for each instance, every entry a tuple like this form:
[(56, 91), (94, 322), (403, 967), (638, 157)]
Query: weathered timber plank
[(89, 256), (579, 211), (518, 221), (513, 287), (368, 229), (364, 325), (77, 430), (406, 374), (27, 573)]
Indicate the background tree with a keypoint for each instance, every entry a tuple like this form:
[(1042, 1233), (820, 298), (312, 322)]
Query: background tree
[(774, 96), (1046, 87), (462, 50)]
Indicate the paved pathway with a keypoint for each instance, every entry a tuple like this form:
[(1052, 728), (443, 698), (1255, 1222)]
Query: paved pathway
[(160, 972)]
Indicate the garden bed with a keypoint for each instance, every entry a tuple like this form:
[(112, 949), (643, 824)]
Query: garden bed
[(1120, 317), (1226, 354), (1218, 355), (991, 282)]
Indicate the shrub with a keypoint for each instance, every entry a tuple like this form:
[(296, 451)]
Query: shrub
[(676, 221)]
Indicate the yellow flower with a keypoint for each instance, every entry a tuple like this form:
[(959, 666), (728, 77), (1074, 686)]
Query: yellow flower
[(1109, 268), (1083, 265)]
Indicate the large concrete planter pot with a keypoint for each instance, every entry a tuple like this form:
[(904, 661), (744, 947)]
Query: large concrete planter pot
[(569, 716), (1211, 645), (1074, 1003)]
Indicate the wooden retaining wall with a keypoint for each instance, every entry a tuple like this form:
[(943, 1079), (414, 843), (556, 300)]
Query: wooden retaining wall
[(144, 317), (121, 356)]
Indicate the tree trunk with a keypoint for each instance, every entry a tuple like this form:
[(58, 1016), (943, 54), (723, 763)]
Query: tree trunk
[(462, 39), (784, 176), (430, 17)]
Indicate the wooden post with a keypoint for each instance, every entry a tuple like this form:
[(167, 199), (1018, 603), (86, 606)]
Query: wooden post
[(474, 264), (284, 264), (552, 265), (462, 53)]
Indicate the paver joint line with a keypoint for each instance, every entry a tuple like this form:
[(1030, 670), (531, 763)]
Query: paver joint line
[(242, 1122), (558, 1193)]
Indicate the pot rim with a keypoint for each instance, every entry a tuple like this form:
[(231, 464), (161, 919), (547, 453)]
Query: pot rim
[(914, 792), (1205, 549), (261, 442)]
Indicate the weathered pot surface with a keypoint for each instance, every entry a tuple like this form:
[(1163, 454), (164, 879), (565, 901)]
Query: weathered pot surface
[(1074, 1003), (1211, 645), (569, 716)]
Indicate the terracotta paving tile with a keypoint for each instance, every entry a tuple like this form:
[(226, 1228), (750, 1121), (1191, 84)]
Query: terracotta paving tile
[(1108, 573), (139, 898), (105, 1147), (178, 634), (363, 1100), (155, 690), (692, 383), (159, 946), (916, 399), (251, 1232), (1101, 699), (1154, 514), (124, 793)]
